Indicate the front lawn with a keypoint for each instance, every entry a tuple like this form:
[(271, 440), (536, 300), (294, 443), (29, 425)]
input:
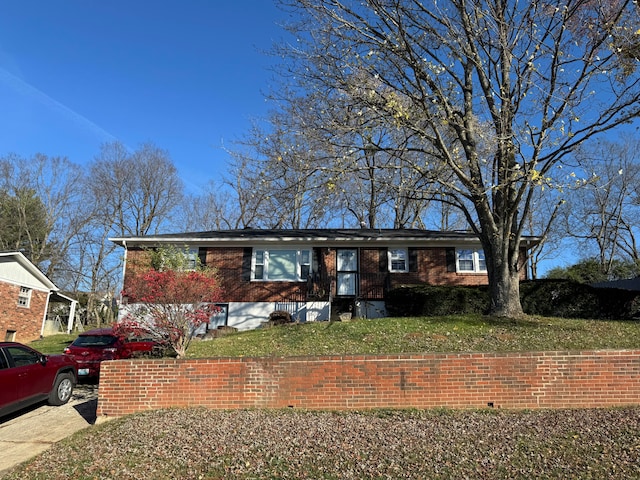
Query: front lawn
[(427, 334), (464, 333)]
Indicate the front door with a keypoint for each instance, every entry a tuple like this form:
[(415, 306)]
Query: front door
[(347, 271)]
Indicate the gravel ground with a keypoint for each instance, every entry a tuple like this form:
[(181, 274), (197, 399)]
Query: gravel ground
[(292, 444)]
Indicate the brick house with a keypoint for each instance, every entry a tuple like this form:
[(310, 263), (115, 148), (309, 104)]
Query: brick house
[(25, 294), (316, 274)]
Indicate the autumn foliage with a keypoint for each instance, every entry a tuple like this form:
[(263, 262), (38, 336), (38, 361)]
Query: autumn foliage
[(169, 305)]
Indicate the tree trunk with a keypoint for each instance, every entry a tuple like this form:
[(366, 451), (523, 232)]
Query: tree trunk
[(504, 279)]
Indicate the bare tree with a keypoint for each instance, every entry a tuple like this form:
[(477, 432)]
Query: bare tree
[(137, 191), (499, 91), (276, 179), (46, 210), (212, 209), (603, 215), (324, 163), (133, 193)]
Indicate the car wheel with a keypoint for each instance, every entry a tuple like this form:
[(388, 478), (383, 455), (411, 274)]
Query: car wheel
[(62, 389)]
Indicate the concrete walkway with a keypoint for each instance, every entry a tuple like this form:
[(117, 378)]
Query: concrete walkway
[(32, 431)]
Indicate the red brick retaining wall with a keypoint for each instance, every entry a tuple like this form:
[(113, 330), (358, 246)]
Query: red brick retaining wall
[(466, 380)]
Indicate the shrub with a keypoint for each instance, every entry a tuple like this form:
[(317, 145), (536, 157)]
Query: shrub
[(437, 300), (280, 317), (551, 298), (569, 299), (559, 298)]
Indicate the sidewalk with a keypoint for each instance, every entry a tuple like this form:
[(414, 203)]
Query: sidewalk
[(33, 431)]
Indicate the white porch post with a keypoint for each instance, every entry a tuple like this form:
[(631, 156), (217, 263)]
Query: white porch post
[(72, 315)]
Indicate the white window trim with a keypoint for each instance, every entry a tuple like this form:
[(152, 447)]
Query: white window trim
[(24, 295), (475, 258), (406, 260), (265, 265), (192, 258)]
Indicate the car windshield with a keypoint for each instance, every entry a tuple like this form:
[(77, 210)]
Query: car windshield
[(94, 341)]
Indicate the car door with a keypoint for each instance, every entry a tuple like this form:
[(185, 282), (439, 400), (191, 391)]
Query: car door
[(31, 376), (8, 381)]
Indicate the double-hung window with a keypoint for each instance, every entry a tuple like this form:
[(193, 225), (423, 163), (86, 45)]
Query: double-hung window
[(398, 260), (287, 265), (24, 297), (192, 259), (470, 261)]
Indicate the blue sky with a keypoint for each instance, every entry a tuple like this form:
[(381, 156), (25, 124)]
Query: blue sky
[(186, 75)]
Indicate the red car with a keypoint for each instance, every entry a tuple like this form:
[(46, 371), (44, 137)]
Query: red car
[(28, 377), (94, 346)]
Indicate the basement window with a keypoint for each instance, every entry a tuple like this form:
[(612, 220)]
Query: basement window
[(10, 336)]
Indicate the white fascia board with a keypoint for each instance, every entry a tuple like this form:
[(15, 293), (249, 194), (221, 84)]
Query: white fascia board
[(314, 240), (32, 269)]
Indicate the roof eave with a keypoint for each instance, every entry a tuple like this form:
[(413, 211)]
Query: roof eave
[(32, 269)]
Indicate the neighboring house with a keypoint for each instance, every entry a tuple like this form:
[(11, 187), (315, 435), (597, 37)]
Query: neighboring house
[(25, 296), (628, 284), (316, 274)]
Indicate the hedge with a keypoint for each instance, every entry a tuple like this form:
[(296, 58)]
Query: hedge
[(552, 298)]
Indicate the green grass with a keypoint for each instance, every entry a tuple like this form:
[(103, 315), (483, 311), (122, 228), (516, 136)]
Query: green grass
[(466, 333), (53, 343)]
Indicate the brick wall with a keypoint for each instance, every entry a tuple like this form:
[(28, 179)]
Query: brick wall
[(26, 322), (471, 380), (431, 261)]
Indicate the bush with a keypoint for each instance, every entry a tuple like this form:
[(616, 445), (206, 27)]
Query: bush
[(279, 317), (550, 298), (569, 299), (559, 298), (427, 300)]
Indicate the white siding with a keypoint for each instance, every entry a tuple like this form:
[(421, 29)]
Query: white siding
[(12, 272)]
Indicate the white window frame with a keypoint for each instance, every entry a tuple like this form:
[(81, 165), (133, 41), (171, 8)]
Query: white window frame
[(393, 256), (192, 258), (479, 264), (24, 297), (260, 263)]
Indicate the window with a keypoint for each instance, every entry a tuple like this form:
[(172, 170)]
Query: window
[(3, 361), (281, 265), (472, 261), (24, 297), (181, 259), (10, 336), (398, 260), (192, 258), (22, 356)]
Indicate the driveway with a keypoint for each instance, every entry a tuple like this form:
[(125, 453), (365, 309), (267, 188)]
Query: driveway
[(32, 431)]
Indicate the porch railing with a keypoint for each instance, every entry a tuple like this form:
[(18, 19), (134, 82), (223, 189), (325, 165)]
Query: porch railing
[(369, 286)]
